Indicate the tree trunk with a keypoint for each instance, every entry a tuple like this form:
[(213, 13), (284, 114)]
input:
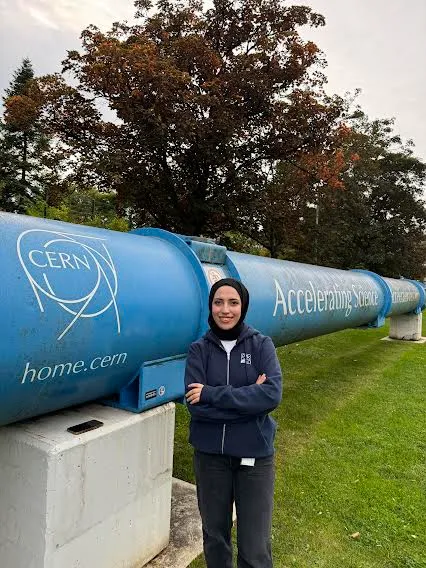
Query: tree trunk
[(24, 158), (272, 243)]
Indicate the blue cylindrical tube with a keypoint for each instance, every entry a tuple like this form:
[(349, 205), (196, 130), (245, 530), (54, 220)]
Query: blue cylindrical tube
[(82, 308), (87, 313), (292, 301), (407, 296)]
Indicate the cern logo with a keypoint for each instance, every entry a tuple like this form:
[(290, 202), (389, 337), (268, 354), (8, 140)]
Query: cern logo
[(76, 272)]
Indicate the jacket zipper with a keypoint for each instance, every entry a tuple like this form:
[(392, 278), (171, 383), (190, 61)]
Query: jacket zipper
[(228, 358)]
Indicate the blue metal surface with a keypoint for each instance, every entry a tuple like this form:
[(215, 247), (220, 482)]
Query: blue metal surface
[(93, 314), (157, 382), (387, 302), (408, 296), (83, 308), (292, 301)]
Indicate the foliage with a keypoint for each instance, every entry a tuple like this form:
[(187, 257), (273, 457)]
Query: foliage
[(20, 141), (221, 128), (89, 207), (236, 241), (379, 221), (205, 100), (29, 165), (21, 78), (275, 218)]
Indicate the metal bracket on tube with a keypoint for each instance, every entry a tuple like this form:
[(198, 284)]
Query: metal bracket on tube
[(387, 294), (207, 251), (210, 252), (157, 382)]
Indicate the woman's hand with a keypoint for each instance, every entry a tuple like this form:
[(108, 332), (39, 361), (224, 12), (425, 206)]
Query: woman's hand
[(261, 379), (193, 395)]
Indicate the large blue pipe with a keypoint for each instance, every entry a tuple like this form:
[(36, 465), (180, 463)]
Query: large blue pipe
[(90, 314)]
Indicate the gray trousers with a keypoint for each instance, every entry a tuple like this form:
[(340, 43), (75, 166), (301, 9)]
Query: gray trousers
[(221, 480)]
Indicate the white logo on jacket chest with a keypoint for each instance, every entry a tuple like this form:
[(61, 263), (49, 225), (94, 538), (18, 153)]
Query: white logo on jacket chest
[(246, 358)]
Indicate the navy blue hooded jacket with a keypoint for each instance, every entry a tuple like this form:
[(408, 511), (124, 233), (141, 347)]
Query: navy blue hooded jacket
[(232, 415)]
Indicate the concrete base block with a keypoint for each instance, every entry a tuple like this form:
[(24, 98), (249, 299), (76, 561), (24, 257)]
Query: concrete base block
[(186, 537), (421, 340), (407, 327), (97, 500)]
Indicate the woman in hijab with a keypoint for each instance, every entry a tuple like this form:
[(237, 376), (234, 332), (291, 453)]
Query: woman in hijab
[(233, 381)]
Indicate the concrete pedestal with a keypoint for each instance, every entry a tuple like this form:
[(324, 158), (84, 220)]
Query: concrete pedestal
[(97, 500), (407, 327), (186, 537)]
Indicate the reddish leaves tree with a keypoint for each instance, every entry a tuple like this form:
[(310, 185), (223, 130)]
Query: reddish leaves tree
[(204, 101), (276, 216)]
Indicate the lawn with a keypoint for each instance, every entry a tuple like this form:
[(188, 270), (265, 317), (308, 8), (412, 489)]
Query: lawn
[(350, 454)]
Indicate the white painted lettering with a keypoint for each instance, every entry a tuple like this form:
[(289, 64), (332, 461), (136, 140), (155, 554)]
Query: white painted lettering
[(40, 374), (106, 360), (44, 259), (314, 295), (279, 299), (65, 369), (92, 364), (320, 300), (308, 301), (300, 295), (300, 301), (401, 296), (122, 358), (78, 367), (31, 257), (65, 259), (84, 262), (61, 368), (290, 309), (27, 372), (348, 304), (51, 257)]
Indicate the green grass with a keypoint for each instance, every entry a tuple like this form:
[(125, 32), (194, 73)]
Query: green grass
[(350, 455)]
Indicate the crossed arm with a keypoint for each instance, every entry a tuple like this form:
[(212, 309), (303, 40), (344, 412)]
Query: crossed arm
[(228, 403)]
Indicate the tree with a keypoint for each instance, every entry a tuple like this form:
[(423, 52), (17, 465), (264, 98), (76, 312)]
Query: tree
[(205, 101), (21, 142), (378, 222), (275, 219), (85, 206), (21, 78), (34, 164)]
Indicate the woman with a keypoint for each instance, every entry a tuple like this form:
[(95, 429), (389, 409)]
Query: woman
[(233, 380)]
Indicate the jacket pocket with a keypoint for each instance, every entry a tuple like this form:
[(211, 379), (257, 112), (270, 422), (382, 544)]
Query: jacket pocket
[(267, 428), (206, 436), (247, 440)]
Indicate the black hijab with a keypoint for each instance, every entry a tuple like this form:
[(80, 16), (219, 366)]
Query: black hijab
[(234, 332)]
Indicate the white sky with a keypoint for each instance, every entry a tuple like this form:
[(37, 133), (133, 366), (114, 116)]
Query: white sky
[(377, 45), (380, 47)]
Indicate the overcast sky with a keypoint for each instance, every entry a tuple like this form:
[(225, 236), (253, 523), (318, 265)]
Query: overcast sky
[(376, 45)]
